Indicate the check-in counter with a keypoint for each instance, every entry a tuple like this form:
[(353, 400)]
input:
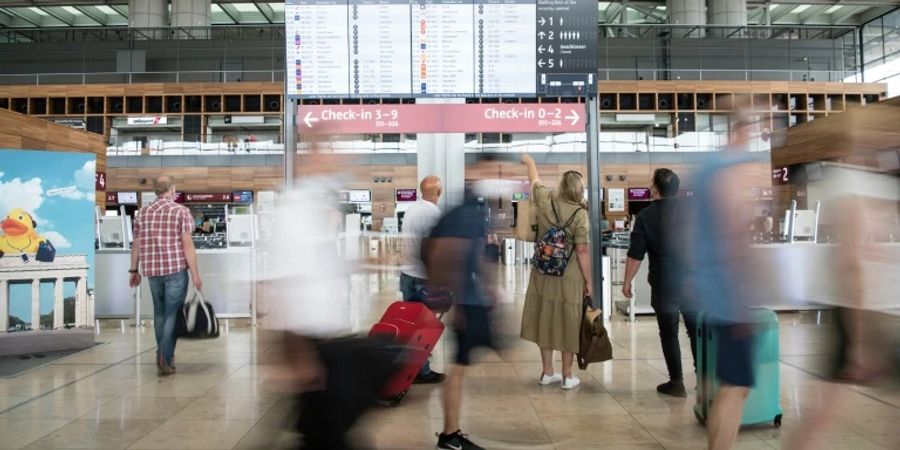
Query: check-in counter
[(227, 283)]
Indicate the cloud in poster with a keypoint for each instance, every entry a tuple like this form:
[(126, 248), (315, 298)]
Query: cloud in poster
[(28, 195), (58, 240), (85, 176)]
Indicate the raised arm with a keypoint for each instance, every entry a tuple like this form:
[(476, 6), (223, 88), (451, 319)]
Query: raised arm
[(532, 168)]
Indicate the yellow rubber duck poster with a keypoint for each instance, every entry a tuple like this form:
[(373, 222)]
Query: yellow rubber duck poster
[(46, 227)]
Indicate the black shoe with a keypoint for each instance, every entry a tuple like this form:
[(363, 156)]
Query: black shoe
[(430, 378), (456, 441), (673, 388)]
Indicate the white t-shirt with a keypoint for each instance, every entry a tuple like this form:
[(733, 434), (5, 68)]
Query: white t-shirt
[(417, 224), (308, 289)]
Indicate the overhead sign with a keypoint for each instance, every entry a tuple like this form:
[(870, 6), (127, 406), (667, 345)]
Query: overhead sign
[(639, 194), (440, 48), (218, 197), (149, 120), (781, 175), (407, 195), (242, 197), (441, 118), (100, 181)]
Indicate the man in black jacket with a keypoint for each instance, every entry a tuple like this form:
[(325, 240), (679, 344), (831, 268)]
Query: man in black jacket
[(658, 231)]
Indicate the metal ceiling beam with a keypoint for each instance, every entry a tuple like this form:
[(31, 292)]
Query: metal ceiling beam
[(59, 14), (231, 12), (94, 14), (845, 13), (5, 19), (26, 16), (119, 11), (811, 12), (779, 12), (265, 10), (650, 12)]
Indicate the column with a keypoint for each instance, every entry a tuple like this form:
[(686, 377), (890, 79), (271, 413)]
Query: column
[(686, 12), (190, 13), (4, 306), (36, 304), (443, 155), (81, 302), (727, 12), (147, 13), (59, 309)]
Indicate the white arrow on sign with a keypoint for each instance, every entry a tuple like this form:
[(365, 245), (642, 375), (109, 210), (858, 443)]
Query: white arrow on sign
[(541, 63), (573, 117), (541, 49), (541, 35), (309, 118), (543, 21)]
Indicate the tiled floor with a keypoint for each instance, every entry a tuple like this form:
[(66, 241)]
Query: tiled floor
[(226, 395)]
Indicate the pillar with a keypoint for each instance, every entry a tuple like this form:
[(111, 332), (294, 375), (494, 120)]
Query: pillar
[(147, 13), (81, 299), (727, 12), (4, 306), (36, 304), (190, 13), (443, 155), (686, 12), (59, 309)]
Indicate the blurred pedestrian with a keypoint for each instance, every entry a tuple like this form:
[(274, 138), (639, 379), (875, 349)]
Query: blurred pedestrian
[(163, 251), (721, 276), (554, 300), (658, 231), (417, 224), (454, 257), (308, 302)]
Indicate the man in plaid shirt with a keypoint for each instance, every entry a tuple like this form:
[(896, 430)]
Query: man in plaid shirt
[(165, 250)]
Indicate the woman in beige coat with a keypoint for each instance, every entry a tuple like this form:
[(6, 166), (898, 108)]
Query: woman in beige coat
[(553, 304)]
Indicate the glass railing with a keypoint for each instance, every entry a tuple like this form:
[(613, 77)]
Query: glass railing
[(256, 53)]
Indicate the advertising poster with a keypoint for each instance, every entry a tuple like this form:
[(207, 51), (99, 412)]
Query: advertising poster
[(616, 202), (46, 233)]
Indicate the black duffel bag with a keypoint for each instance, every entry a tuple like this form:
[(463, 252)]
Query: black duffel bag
[(197, 320)]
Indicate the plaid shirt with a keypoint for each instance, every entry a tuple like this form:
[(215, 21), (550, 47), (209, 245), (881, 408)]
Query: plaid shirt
[(159, 228)]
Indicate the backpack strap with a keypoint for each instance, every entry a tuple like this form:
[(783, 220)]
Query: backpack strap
[(555, 215)]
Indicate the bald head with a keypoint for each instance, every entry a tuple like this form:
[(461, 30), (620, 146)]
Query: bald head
[(431, 188), (163, 185)]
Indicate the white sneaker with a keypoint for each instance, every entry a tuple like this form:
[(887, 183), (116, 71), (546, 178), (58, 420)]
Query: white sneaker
[(547, 380), (570, 383)]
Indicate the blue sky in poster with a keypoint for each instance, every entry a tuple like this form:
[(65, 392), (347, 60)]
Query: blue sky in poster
[(57, 188)]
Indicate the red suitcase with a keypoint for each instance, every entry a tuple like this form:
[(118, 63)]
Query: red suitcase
[(415, 327)]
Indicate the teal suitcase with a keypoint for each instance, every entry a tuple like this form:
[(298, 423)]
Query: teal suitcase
[(763, 405)]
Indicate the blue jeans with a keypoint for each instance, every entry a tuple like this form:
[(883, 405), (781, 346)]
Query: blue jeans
[(411, 289), (169, 292)]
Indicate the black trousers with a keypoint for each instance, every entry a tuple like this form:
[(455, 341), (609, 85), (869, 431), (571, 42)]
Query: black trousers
[(356, 369), (668, 311)]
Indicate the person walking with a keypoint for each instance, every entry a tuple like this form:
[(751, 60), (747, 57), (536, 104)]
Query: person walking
[(658, 231), (417, 224), (163, 251), (552, 314)]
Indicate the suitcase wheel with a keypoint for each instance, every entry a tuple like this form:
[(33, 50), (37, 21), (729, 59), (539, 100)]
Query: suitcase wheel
[(395, 400), (778, 421), (702, 421)]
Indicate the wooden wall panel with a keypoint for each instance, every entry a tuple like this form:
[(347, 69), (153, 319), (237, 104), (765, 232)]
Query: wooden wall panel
[(19, 131)]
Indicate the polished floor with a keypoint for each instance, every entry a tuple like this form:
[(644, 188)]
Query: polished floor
[(226, 395)]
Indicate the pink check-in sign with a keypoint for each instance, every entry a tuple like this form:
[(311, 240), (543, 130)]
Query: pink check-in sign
[(431, 118)]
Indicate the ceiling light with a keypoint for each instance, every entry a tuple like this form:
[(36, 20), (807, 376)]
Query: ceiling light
[(833, 9), (800, 9)]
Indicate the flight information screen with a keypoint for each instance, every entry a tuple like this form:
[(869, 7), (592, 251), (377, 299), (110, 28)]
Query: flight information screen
[(440, 48)]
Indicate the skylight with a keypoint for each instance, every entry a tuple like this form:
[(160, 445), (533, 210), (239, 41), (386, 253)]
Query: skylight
[(105, 9), (800, 9), (244, 7), (71, 10), (37, 11), (833, 9)]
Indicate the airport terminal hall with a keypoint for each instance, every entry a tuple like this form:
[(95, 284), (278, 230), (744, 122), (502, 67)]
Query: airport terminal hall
[(450, 224)]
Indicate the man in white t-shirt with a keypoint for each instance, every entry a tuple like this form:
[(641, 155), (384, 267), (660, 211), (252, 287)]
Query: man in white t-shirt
[(417, 224)]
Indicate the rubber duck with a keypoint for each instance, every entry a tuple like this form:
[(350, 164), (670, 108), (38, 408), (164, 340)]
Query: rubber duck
[(19, 235)]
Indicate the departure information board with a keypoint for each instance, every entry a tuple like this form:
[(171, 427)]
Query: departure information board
[(440, 48)]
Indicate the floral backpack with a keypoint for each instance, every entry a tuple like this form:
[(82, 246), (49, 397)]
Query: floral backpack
[(553, 251)]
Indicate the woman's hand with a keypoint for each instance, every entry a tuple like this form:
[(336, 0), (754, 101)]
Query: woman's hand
[(527, 159)]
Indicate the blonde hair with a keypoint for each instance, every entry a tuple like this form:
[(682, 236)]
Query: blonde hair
[(571, 188)]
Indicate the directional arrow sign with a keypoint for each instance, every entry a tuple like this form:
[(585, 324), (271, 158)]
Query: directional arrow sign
[(438, 118), (542, 35), (543, 21), (541, 49), (541, 63)]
